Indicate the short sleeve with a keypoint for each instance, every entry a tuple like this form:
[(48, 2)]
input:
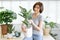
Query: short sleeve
[(40, 18)]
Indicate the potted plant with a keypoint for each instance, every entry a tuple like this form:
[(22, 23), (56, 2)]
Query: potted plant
[(48, 27), (26, 25), (6, 17)]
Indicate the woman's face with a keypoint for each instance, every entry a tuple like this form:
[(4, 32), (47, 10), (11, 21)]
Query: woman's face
[(37, 9)]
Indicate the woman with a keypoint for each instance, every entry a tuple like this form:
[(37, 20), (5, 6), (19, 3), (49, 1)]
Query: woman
[(36, 21)]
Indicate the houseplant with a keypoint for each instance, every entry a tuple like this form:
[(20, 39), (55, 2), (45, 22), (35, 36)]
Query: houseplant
[(6, 17), (48, 26), (26, 27), (25, 14)]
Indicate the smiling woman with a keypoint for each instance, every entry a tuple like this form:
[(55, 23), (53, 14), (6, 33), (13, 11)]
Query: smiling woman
[(37, 21)]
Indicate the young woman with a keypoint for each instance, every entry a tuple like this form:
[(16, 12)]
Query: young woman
[(36, 21)]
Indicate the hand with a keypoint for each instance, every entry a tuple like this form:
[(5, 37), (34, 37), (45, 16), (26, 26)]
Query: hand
[(30, 21), (23, 28)]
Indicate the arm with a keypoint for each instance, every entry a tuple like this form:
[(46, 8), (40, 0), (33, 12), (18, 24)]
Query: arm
[(23, 28), (38, 27)]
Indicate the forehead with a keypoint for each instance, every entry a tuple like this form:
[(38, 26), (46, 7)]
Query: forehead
[(37, 6)]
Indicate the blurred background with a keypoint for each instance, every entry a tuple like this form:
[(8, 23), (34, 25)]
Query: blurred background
[(51, 9)]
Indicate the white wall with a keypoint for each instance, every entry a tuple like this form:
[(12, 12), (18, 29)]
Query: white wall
[(51, 9), (58, 12)]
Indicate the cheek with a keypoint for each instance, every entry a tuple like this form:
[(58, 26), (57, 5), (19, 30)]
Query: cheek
[(36, 9)]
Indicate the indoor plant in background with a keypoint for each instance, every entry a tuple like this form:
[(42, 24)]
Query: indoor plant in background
[(6, 17), (48, 27)]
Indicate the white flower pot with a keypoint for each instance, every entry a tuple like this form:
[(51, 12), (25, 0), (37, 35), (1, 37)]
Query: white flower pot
[(29, 32)]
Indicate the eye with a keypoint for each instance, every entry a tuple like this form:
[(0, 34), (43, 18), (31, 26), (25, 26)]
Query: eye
[(37, 7)]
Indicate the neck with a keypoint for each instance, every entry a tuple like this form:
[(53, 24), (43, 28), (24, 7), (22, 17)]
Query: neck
[(37, 13)]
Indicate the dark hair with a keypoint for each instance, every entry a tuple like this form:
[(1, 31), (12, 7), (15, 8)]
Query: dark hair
[(40, 5)]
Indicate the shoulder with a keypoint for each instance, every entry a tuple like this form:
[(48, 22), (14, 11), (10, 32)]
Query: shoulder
[(40, 17)]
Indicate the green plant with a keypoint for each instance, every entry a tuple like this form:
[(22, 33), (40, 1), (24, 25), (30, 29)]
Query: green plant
[(25, 14), (10, 28), (7, 16), (52, 24)]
